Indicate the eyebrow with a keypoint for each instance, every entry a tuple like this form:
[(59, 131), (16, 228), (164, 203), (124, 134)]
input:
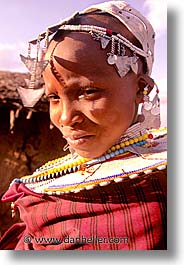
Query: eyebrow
[(72, 83)]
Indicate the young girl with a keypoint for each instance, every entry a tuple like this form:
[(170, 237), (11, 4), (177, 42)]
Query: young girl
[(109, 192)]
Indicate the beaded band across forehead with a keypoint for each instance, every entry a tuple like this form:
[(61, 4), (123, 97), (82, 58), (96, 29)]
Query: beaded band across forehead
[(128, 16), (136, 23), (117, 55)]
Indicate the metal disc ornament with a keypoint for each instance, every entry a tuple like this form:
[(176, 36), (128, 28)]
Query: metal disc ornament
[(112, 59)]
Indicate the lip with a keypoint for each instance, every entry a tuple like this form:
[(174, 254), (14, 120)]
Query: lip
[(77, 140)]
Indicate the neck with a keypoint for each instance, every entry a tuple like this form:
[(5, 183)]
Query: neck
[(134, 136)]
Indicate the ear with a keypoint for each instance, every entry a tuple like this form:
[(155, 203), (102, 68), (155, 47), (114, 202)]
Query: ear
[(143, 80)]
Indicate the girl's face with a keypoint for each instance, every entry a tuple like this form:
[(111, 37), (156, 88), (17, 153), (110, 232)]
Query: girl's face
[(89, 103)]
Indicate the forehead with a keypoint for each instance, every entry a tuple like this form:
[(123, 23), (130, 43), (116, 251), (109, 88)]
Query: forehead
[(79, 53), (80, 61)]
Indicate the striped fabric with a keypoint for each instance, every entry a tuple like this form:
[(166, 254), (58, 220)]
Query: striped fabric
[(130, 215)]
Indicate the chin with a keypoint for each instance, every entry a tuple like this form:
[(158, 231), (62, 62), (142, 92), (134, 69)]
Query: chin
[(89, 154)]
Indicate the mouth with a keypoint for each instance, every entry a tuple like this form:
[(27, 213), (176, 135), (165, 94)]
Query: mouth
[(78, 140)]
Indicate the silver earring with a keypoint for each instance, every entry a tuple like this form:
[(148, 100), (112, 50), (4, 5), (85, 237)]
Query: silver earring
[(34, 87), (151, 110)]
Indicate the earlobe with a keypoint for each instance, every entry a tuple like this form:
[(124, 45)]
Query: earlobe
[(143, 81)]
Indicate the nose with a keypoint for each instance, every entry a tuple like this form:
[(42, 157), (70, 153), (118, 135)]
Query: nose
[(70, 114)]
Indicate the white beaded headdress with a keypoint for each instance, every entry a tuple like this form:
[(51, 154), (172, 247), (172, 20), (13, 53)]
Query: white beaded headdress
[(137, 24)]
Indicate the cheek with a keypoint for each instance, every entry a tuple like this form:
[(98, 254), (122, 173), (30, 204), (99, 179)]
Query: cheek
[(112, 110), (97, 111), (55, 116)]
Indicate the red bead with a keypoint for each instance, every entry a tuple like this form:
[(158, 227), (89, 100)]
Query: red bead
[(150, 136), (82, 167), (157, 90), (109, 31)]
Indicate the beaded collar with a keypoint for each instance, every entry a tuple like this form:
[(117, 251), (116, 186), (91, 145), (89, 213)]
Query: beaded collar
[(75, 173)]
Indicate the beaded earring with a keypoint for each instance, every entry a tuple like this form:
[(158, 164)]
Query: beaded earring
[(151, 109)]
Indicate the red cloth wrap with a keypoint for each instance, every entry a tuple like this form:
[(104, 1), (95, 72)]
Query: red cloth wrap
[(130, 215)]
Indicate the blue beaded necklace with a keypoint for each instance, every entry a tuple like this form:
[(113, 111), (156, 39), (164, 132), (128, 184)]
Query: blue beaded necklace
[(63, 166)]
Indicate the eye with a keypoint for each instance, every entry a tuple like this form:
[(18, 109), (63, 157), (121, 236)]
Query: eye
[(54, 98), (88, 92)]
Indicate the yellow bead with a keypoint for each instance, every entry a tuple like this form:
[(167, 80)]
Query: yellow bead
[(140, 138), (81, 161), (113, 148), (127, 143), (131, 141), (69, 165), (118, 146), (122, 145), (86, 159), (145, 136), (145, 92), (75, 163), (136, 140), (58, 169)]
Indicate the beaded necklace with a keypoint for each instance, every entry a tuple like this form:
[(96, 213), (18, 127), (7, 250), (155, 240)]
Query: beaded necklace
[(137, 153), (66, 165)]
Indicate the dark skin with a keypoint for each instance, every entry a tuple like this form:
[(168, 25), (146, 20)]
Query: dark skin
[(89, 102)]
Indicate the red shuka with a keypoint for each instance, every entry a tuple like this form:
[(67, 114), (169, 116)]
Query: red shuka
[(130, 215)]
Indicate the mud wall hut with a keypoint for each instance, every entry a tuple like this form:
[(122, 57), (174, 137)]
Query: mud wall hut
[(27, 138)]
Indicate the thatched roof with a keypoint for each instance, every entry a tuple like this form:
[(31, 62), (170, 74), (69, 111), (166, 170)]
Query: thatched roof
[(9, 96)]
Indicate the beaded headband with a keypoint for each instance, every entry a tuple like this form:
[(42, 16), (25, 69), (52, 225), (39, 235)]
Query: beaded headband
[(127, 15)]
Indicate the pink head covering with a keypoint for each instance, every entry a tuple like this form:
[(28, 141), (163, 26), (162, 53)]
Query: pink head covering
[(136, 23)]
